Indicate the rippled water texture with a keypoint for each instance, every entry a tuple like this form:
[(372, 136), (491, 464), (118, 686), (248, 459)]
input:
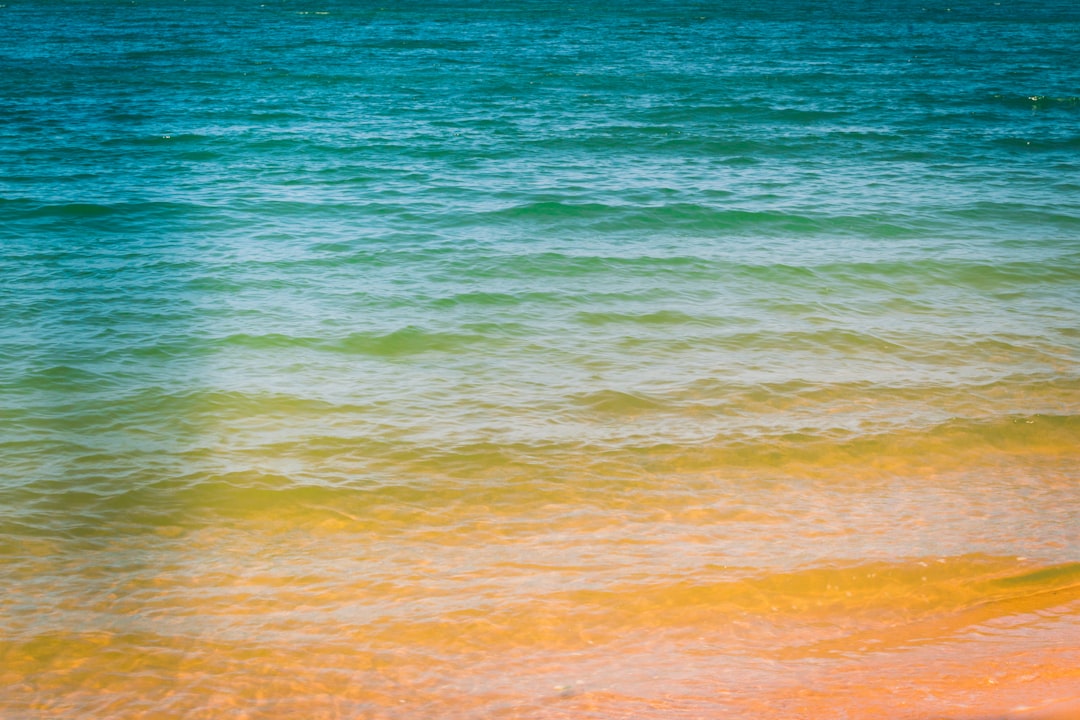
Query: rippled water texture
[(534, 360)]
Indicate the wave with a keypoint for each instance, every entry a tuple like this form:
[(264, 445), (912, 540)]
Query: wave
[(306, 443), (730, 220), (14, 210), (678, 216), (402, 342), (1037, 102), (410, 340), (918, 586), (885, 606)]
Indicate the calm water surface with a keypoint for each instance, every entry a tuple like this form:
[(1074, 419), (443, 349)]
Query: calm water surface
[(536, 360)]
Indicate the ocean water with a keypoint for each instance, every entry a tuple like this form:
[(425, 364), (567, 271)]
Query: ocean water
[(522, 359)]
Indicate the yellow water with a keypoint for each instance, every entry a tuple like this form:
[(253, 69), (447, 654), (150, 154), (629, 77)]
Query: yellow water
[(678, 594)]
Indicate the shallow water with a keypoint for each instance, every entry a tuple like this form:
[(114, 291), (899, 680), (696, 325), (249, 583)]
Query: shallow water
[(533, 361)]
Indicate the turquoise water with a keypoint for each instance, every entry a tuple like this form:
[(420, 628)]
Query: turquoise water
[(474, 359)]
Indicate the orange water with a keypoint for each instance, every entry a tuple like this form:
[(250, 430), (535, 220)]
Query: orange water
[(666, 595)]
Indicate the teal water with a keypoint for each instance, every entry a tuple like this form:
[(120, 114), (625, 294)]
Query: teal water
[(475, 359)]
